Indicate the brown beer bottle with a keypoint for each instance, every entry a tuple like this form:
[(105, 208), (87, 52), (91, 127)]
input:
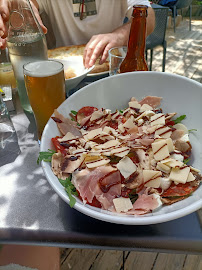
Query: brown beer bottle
[(135, 60)]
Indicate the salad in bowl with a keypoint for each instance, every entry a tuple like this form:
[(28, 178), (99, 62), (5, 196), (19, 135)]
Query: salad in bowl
[(129, 161), (128, 155)]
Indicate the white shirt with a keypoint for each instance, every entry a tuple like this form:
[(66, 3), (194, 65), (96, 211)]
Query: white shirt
[(70, 30)]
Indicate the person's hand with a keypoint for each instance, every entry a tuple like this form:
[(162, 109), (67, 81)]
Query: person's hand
[(4, 17), (35, 8), (99, 45)]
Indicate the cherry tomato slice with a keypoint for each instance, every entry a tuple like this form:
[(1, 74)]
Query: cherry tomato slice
[(58, 147), (114, 123), (170, 123), (95, 203), (84, 112)]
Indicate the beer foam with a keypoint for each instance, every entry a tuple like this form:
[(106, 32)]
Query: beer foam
[(43, 68)]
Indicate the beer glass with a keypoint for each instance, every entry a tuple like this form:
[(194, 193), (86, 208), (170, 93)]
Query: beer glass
[(45, 84)]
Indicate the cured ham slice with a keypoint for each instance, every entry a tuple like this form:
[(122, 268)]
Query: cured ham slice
[(135, 180), (151, 101), (71, 163), (146, 141), (57, 159), (85, 112), (66, 125), (145, 203), (144, 159), (183, 146), (177, 134), (85, 120), (133, 130), (104, 183)]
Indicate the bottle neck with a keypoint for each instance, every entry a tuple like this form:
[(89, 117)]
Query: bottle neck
[(137, 37)]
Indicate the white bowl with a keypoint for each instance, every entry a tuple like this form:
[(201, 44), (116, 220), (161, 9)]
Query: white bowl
[(76, 63), (180, 95)]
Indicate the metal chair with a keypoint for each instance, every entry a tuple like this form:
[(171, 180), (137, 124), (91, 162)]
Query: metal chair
[(179, 5), (157, 37)]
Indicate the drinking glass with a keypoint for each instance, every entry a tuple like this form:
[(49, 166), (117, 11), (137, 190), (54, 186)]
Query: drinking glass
[(6, 75), (45, 84), (9, 148), (116, 57)]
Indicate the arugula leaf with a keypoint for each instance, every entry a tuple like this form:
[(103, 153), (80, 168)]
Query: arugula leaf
[(114, 159), (177, 197), (191, 130), (179, 119), (45, 156), (72, 200), (133, 196), (186, 160), (70, 189), (74, 112)]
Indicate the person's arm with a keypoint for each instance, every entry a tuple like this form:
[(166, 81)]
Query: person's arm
[(99, 45), (150, 21), (4, 17)]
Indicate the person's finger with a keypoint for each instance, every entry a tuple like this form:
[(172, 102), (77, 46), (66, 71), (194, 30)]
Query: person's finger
[(36, 12), (2, 27), (98, 50), (2, 43), (89, 50), (4, 10), (105, 53), (86, 57), (44, 28)]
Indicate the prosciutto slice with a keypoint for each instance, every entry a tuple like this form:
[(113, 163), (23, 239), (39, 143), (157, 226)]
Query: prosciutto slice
[(104, 183), (66, 125), (177, 134), (71, 163), (183, 146), (144, 204), (151, 101)]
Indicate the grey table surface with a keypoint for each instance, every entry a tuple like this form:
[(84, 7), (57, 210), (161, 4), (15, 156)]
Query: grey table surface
[(32, 213)]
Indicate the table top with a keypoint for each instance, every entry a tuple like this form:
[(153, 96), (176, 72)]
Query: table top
[(32, 213)]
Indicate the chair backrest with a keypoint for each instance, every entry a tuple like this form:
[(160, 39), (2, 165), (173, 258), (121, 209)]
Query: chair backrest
[(157, 37), (183, 3)]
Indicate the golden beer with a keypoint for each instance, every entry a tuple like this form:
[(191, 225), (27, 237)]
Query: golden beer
[(45, 84), (7, 75)]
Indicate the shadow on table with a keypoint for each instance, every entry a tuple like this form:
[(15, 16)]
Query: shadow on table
[(163, 235), (31, 200), (9, 147), (32, 128)]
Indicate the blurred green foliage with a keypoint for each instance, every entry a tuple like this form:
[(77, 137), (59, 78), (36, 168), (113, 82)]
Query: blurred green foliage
[(197, 2)]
